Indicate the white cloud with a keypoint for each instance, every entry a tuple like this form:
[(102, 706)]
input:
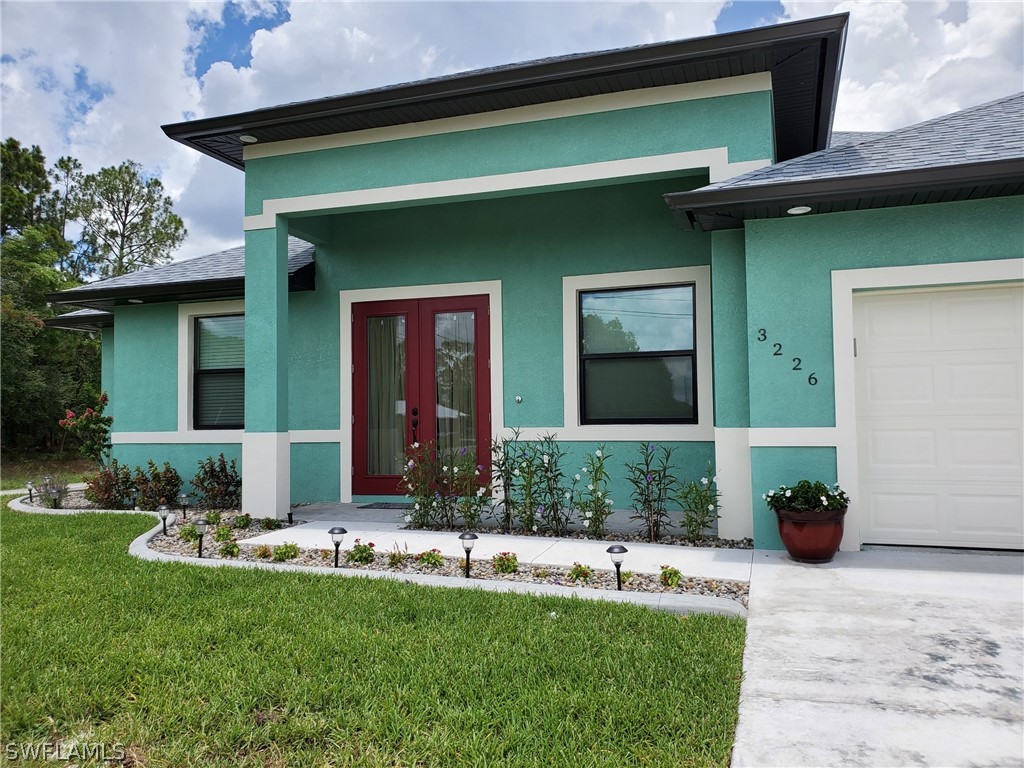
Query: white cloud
[(910, 61)]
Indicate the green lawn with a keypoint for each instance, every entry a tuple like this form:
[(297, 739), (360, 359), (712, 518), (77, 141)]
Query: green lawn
[(190, 666), (15, 471)]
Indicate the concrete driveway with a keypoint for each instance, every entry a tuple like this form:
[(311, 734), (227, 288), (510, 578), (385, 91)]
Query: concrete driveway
[(884, 659)]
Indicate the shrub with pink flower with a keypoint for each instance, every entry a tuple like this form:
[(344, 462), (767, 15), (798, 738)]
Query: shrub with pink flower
[(91, 429)]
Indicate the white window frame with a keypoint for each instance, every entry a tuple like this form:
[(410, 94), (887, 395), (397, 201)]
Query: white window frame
[(187, 314), (572, 286)]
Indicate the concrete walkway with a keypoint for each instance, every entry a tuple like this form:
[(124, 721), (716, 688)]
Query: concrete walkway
[(884, 659)]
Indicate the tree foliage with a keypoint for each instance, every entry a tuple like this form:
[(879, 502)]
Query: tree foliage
[(59, 226), (128, 220)]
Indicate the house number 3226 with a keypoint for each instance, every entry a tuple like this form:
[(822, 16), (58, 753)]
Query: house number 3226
[(762, 335)]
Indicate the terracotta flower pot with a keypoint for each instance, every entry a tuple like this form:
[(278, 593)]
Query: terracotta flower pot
[(811, 536)]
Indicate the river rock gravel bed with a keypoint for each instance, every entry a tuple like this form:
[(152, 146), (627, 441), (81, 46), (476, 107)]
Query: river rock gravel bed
[(172, 543)]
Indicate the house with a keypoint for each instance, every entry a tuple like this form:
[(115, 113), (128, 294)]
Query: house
[(664, 243)]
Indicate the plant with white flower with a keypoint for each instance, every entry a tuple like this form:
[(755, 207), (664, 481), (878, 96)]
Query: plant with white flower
[(555, 490), (700, 504), (592, 502), (421, 476), (807, 496)]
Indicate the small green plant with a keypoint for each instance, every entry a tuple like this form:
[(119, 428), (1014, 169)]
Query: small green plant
[(652, 482), (213, 518), (219, 483), (431, 558), (580, 572), (699, 501), (670, 577), (361, 554), (271, 524), (263, 552), (397, 557), (542, 573), (188, 533), (806, 496), (287, 551), (111, 487), (594, 503), (230, 549), (223, 533), (242, 521), (505, 562), (157, 485), (626, 576)]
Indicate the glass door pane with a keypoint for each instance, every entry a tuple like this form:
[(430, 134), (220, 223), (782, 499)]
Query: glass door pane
[(385, 418), (455, 380)]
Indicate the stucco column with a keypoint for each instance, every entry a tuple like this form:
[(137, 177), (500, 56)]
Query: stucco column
[(732, 394), (266, 464)]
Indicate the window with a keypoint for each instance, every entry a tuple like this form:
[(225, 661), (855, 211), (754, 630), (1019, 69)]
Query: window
[(219, 389), (637, 356)]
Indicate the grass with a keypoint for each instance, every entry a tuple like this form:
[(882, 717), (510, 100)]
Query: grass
[(189, 666), (17, 470)]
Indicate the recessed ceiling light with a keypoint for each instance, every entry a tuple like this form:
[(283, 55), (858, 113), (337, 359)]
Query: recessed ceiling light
[(134, 301), (247, 138), (798, 209)]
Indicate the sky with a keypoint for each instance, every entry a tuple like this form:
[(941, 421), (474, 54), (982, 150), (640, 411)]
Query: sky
[(96, 80)]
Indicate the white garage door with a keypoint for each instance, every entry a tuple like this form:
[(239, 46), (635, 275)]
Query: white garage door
[(940, 417)]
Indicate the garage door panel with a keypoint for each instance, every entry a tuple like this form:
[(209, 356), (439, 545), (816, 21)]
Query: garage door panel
[(940, 417), (982, 513)]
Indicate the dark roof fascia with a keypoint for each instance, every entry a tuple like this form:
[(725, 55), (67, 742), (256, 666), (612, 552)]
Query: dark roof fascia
[(87, 323), (734, 202), (828, 30), (302, 279)]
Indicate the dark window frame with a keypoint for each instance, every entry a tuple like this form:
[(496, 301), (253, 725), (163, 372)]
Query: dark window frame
[(198, 375), (583, 357)]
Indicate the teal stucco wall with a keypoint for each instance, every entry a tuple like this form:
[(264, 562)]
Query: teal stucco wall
[(789, 288), (145, 368), (742, 122)]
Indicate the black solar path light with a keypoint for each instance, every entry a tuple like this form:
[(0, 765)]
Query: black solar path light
[(184, 501), (30, 486), (337, 536), (163, 511), (617, 552), (201, 525), (468, 540)]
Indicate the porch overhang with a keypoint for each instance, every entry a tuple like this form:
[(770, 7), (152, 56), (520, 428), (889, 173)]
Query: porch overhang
[(803, 57), (729, 208)]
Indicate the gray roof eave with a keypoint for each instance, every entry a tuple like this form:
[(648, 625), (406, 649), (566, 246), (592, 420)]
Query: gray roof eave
[(503, 87), (735, 202)]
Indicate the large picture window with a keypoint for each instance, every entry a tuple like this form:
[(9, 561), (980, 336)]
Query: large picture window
[(638, 356), (219, 387)]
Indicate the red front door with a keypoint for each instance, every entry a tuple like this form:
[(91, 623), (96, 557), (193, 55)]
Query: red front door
[(420, 373)]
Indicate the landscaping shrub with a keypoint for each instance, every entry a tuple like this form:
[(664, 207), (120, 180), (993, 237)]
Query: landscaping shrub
[(230, 548), (156, 486), (580, 572), (53, 483), (360, 553), (287, 551), (653, 483), (213, 518), (431, 558), (223, 533), (505, 562), (555, 499), (92, 430), (396, 556), (242, 521), (699, 501), (219, 483), (670, 577), (263, 552), (593, 502), (188, 533), (111, 487), (270, 524)]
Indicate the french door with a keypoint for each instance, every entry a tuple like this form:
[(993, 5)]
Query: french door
[(420, 373)]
